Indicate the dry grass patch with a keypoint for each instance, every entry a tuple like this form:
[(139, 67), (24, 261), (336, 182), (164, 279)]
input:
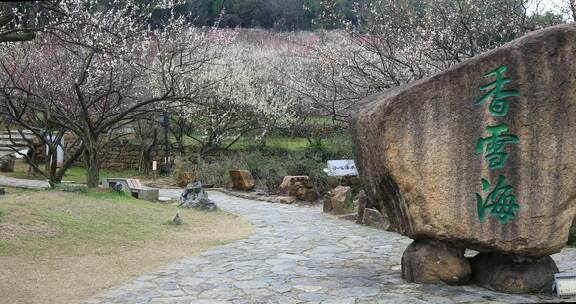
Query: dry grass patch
[(59, 247)]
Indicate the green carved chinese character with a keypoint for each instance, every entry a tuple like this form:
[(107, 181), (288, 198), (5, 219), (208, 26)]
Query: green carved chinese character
[(495, 144), (500, 201), (499, 105)]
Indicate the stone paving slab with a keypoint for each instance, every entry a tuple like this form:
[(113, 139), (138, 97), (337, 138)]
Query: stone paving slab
[(23, 183), (300, 255)]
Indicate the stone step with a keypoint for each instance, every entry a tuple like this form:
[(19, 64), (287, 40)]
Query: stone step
[(7, 143), (14, 136), (7, 148), (12, 143), (15, 132)]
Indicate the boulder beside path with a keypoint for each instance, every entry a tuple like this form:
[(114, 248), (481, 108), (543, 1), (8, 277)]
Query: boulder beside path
[(480, 156)]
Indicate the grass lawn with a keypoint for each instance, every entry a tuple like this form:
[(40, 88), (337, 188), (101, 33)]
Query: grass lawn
[(62, 247), (286, 143), (290, 144), (246, 143)]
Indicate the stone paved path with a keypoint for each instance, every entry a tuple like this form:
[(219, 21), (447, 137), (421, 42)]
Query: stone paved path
[(299, 255), (23, 183)]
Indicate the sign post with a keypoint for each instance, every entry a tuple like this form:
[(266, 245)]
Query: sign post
[(342, 167), (154, 167)]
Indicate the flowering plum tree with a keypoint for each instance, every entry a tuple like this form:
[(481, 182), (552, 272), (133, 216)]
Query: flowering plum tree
[(394, 42), (243, 95), (103, 67), (21, 21)]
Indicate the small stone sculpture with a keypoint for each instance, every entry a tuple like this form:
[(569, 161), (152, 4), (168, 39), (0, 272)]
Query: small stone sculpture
[(194, 196), (177, 220)]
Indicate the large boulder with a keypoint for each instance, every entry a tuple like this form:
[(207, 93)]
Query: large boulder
[(241, 180), (300, 187), (429, 160), (572, 238)]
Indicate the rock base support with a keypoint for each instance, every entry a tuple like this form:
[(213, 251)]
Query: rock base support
[(513, 274), (429, 261)]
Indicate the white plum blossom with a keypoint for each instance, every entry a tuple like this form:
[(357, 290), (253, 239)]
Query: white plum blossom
[(243, 93)]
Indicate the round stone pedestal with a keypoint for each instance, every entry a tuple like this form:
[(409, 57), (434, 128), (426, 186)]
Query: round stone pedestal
[(513, 274), (429, 261)]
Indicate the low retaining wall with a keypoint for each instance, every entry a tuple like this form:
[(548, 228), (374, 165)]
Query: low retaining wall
[(125, 157)]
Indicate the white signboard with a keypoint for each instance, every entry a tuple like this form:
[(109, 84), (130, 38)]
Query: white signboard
[(342, 167), (154, 165)]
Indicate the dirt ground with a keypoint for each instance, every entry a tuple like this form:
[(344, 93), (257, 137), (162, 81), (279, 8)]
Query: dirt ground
[(46, 257)]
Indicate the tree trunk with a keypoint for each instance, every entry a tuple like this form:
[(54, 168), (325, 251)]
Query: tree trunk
[(32, 161), (93, 162), (146, 152), (146, 161), (573, 9), (68, 162), (261, 139), (52, 163)]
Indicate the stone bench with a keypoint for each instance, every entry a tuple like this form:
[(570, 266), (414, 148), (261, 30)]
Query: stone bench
[(133, 187)]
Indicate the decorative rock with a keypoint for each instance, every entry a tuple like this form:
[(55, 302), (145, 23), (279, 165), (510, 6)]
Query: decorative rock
[(511, 274), (415, 148), (177, 220), (428, 261), (285, 199), (361, 201), (241, 180), (7, 163), (185, 178), (339, 200), (228, 184), (307, 194), (374, 218), (195, 197), (298, 186)]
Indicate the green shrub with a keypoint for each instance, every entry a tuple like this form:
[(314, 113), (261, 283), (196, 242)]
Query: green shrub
[(340, 147), (268, 171), (110, 195), (1, 214), (269, 164), (215, 170)]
